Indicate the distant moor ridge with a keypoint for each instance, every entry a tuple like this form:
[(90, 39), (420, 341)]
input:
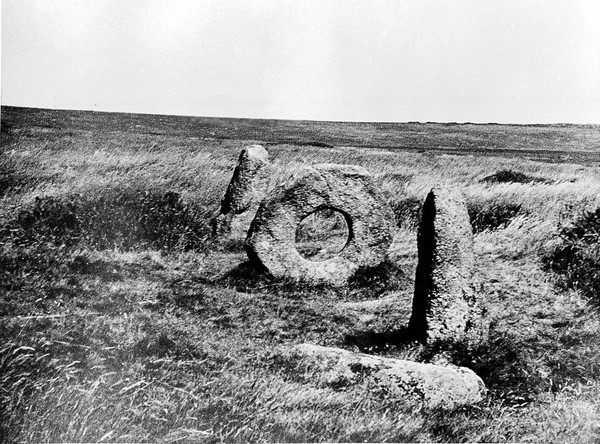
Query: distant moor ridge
[(548, 143)]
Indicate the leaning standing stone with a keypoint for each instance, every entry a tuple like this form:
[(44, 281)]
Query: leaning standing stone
[(244, 193), (347, 189), (446, 307)]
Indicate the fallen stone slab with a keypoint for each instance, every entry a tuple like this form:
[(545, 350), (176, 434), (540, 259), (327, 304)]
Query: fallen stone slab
[(446, 305), (347, 189), (244, 193), (435, 386)]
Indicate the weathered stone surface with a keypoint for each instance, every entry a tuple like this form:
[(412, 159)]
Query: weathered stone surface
[(446, 307), (244, 193), (435, 386), (347, 189)]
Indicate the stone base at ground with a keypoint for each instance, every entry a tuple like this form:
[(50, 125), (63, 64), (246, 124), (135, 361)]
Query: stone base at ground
[(439, 387)]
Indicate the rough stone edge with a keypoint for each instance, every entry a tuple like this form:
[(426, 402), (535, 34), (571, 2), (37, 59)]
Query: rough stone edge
[(228, 224), (435, 386), (475, 330)]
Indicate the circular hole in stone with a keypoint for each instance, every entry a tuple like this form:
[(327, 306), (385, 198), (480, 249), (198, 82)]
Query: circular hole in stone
[(322, 235)]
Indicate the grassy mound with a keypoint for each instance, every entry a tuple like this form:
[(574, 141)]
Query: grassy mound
[(510, 176), (112, 218)]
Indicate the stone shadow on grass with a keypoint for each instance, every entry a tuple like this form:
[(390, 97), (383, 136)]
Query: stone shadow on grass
[(245, 277), (373, 342), (373, 282), (250, 277)]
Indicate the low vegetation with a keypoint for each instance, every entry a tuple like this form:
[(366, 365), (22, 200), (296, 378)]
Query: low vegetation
[(510, 176), (577, 257), (124, 320), (492, 217), (113, 218)]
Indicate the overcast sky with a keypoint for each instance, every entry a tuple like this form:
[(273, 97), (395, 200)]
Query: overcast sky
[(405, 60)]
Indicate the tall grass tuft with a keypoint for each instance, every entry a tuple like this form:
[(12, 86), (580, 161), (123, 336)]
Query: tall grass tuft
[(577, 258), (21, 369), (492, 216), (407, 212)]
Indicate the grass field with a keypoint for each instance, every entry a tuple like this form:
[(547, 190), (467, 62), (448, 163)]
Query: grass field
[(124, 320)]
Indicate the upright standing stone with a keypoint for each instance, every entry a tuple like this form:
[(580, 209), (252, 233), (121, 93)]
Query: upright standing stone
[(446, 307), (244, 193), (347, 189)]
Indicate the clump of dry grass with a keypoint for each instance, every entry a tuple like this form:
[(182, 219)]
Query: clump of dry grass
[(510, 176), (576, 257), (123, 218)]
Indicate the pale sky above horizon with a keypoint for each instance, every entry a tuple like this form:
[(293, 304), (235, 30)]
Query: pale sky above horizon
[(385, 60)]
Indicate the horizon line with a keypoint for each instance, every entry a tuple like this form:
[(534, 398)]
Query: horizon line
[(306, 120)]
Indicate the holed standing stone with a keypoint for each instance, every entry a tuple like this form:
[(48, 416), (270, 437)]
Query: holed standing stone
[(446, 307), (347, 189)]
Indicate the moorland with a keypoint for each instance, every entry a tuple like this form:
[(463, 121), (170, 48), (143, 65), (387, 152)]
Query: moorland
[(123, 319)]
